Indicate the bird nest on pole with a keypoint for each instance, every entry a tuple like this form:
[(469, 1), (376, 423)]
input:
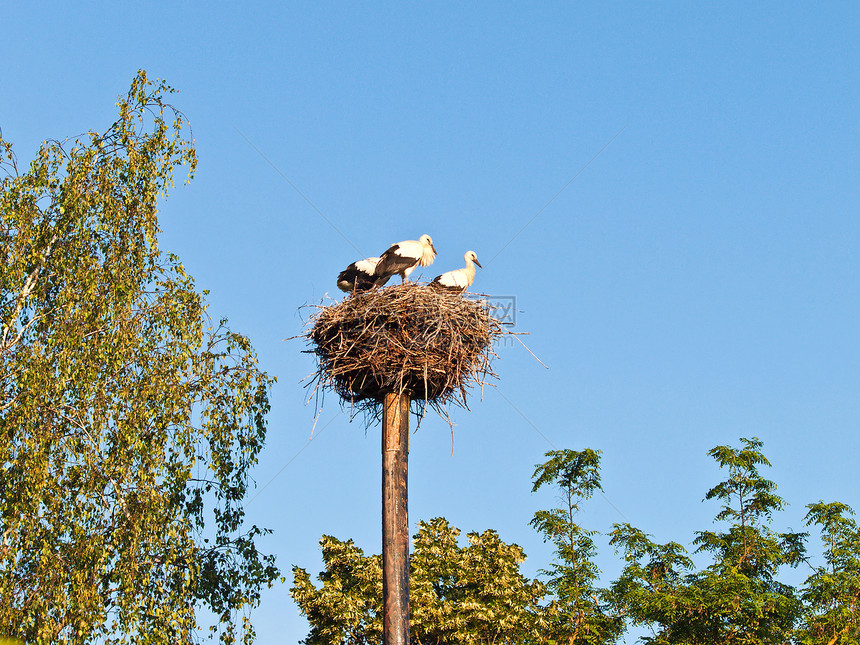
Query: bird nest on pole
[(408, 338)]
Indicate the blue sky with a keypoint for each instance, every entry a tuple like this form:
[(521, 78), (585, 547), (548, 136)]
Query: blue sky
[(696, 282)]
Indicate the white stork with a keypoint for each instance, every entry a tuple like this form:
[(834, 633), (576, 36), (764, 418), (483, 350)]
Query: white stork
[(459, 279), (359, 276), (402, 258)]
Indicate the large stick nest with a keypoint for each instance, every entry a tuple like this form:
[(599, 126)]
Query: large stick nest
[(407, 338)]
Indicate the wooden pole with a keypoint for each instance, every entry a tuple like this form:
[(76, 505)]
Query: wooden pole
[(395, 522)]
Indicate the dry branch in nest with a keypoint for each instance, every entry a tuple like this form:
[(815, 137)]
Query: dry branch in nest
[(406, 338)]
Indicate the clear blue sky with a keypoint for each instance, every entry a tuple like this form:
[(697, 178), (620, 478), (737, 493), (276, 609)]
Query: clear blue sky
[(696, 282)]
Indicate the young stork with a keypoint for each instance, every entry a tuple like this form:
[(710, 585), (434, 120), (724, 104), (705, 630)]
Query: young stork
[(359, 276), (459, 279), (402, 258)]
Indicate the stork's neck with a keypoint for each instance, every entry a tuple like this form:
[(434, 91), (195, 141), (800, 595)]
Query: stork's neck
[(470, 270), (427, 255)]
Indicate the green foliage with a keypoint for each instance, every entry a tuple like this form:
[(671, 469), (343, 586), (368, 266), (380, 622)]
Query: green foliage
[(348, 606), (579, 612), (470, 595), (831, 593), (467, 595), (129, 424), (476, 594), (737, 599)]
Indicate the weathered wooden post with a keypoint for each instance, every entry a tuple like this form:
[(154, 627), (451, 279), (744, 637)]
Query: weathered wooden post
[(381, 350), (395, 519)]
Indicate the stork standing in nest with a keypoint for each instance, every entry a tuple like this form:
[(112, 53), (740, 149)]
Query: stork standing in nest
[(402, 259), (458, 280), (359, 276)]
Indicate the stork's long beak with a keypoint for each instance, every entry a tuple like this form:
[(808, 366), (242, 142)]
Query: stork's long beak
[(433, 248), (478, 263)]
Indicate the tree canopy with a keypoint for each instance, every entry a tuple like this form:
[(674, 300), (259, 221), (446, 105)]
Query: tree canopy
[(579, 612), (129, 420), (470, 595), (737, 595)]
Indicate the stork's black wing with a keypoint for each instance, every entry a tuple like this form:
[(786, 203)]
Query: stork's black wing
[(439, 285), (354, 279), (391, 263)]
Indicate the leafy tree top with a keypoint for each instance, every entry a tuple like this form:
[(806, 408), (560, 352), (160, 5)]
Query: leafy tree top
[(579, 611), (470, 595), (737, 598), (130, 421)]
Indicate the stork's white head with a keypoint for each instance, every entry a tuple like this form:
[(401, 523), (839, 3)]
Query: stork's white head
[(471, 256)]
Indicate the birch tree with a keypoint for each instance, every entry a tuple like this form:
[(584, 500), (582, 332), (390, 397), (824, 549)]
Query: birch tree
[(129, 420)]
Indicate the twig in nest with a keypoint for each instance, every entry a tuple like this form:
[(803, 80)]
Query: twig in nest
[(406, 338)]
